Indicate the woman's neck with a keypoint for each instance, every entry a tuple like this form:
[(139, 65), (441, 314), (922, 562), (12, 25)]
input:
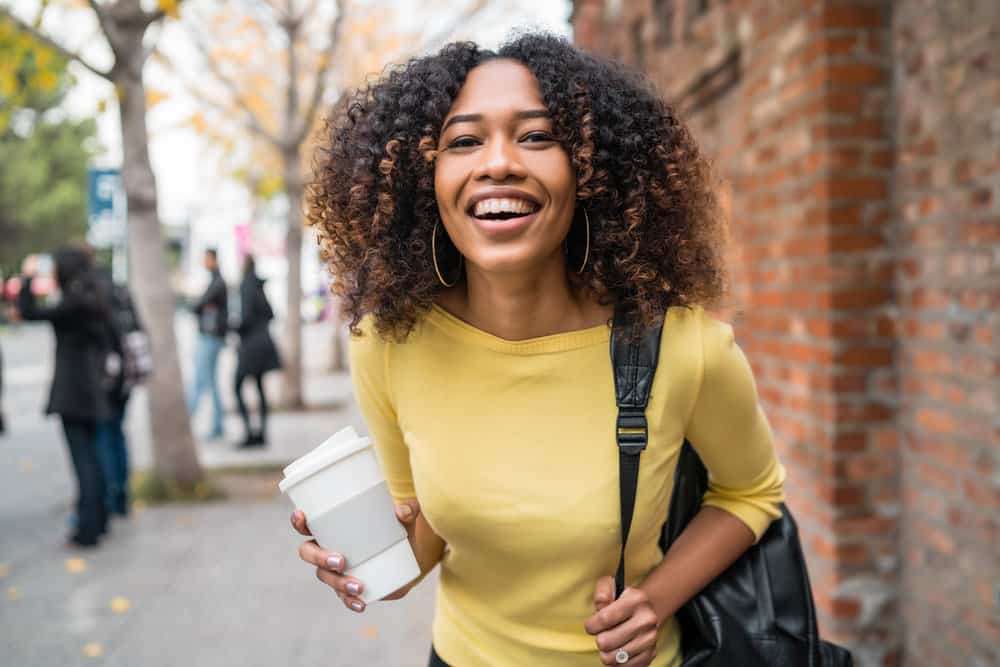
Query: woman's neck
[(523, 305)]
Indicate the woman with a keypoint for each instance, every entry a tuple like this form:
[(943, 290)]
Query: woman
[(78, 393), (257, 354), (484, 216)]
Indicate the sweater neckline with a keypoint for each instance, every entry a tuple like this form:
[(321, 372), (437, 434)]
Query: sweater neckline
[(561, 342)]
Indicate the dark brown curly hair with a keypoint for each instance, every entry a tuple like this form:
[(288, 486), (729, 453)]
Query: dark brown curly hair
[(655, 223)]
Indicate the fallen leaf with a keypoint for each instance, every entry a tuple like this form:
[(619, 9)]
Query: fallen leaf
[(120, 605), (76, 565), (93, 650), (371, 632), (4, 570), (27, 465), (13, 593), (185, 520)]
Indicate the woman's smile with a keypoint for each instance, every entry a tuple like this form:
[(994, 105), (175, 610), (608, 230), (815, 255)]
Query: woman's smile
[(501, 212)]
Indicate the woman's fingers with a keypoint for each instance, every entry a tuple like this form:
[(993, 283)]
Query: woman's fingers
[(635, 659), (642, 625), (299, 523), (407, 511), (347, 588)]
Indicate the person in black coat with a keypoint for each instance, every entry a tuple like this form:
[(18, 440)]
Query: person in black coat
[(257, 353), (78, 393)]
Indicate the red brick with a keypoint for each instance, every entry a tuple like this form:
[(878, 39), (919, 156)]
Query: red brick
[(854, 74), (850, 16)]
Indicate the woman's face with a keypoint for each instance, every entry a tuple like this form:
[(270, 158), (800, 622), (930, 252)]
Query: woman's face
[(505, 187)]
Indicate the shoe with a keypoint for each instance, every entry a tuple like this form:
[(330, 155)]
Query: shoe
[(252, 441), (74, 543)]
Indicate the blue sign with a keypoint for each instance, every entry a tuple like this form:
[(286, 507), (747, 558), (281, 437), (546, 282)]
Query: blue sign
[(103, 189)]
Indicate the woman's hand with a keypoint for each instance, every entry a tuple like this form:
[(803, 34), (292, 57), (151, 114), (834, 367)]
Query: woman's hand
[(627, 623), (330, 565)]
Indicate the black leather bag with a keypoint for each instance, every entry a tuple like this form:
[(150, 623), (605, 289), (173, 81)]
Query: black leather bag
[(760, 611)]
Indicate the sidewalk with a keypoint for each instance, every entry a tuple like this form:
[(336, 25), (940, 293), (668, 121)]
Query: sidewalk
[(206, 585)]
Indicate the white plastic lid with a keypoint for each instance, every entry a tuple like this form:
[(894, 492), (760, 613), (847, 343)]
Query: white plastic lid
[(338, 446)]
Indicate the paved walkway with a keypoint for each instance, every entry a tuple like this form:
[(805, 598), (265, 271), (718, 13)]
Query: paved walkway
[(201, 585)]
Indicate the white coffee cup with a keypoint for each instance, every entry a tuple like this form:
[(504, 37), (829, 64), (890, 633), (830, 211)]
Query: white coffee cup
[(340, 488)]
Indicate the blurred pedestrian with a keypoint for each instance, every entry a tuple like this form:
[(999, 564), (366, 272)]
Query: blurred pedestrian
[(213, 322), (79, 321), (257, 353), (112, 446), (3, 423)]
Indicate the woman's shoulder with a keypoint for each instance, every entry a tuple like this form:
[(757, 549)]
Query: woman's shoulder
[(695, 333)]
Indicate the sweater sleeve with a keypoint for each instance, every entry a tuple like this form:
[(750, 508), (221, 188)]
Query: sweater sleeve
[(731, 435), (370, 375)]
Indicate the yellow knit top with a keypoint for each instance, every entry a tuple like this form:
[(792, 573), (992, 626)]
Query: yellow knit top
[(510, 448)]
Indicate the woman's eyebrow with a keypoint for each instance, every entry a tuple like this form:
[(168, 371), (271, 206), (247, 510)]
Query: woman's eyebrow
[(477, 117)]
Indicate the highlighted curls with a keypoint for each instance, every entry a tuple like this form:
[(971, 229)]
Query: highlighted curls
[(655, 223)]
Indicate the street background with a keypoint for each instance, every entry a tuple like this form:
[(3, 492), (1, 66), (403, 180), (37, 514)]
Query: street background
[(204, 584)]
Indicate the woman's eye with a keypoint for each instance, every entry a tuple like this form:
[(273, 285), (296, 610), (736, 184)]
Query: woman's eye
[(463, 142), (535, 137)]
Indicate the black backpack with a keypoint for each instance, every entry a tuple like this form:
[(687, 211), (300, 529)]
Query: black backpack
[(760, 611)]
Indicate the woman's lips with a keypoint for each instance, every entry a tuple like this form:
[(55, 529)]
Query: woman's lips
[(500, 229)]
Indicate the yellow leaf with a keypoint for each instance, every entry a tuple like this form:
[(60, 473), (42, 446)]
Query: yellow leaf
[(76, 565), (371, 632), (120, 605), (170, 7), (27, 465), (4, 570), (93, 650), (154, 97), (13, 593), (102, 106)]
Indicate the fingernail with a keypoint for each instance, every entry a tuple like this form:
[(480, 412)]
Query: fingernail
[(354, 588), (405, 512), (336, 562), (293, 518), (356, 606)]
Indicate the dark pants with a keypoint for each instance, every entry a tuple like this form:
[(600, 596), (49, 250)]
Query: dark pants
[(261, 402), (91, 512), (436, 660), (112, 454)]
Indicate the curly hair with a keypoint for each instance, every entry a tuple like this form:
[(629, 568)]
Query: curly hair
[(655, 233)]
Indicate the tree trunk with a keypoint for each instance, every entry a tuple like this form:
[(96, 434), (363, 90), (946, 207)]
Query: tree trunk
[(175, 457), (292, 386)]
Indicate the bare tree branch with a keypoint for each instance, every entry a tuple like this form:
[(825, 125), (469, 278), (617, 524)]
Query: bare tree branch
[(252, 121), (319, 85), (249, 123), (52, 44)]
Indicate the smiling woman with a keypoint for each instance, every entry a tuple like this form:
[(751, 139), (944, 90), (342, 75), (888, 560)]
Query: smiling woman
[(485, 215)]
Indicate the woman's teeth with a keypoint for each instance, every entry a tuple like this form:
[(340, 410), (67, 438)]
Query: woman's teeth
[(503, 206)]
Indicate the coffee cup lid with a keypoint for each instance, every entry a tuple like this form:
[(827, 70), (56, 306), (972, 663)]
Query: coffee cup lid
[(340, 445)]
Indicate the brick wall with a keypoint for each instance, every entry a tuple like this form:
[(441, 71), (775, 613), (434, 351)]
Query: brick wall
[(840, 300), (947, 218)]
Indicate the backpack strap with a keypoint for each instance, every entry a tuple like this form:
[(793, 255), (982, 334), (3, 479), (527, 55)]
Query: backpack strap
[(633, 360)]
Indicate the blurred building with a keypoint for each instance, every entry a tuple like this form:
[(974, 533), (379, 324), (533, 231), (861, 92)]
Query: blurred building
[(860, 146)]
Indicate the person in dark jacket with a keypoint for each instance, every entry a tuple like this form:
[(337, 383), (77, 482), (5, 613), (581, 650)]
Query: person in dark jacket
[(78, 394), (213, 323), (257, 353), (112, 446)]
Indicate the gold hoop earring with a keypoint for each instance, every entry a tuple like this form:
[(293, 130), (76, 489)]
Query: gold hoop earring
[(586, 254), (435, 258)]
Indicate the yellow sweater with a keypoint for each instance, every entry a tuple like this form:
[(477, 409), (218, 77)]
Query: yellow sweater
[(510, 448)]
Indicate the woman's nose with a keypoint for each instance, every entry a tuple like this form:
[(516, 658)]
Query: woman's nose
[(499, 161)]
